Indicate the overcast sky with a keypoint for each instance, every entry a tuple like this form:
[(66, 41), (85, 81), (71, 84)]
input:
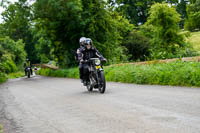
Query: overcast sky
[(1, 9)]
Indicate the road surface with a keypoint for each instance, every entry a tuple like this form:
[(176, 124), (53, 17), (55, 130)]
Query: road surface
[(58, 105)]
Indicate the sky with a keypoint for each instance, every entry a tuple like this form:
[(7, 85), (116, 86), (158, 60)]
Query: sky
[(12, 1), (1, 9)]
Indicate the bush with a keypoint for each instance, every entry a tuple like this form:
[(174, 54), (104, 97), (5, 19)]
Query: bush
[(163, 24), (15, 75), (8, 66), (176, 73), (12, 50), (138, 45), (1, 128), (193, 13), (2, 78), (70, 73)]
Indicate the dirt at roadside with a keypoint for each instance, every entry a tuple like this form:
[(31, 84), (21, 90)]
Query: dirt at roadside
[(185, 59)]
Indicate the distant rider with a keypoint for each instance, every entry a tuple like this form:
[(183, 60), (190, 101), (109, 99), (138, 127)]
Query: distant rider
[(28, 64), (85, 54)]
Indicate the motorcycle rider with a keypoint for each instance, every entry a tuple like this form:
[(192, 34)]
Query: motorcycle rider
[(78, 55), (85, 54), (28, 64)]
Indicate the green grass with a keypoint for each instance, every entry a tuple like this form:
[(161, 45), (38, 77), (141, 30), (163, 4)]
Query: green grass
[(1, 128), (194, 39), (15, 75), (175, 73), (4, 77), (70, 73)]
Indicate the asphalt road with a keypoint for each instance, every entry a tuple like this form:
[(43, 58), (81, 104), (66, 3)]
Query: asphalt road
[(58, 105)]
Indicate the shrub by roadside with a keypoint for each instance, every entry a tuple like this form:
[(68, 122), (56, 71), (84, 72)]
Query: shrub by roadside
[(70, 73), (2, 78), (1, 128), (175, 73), (15, 75)]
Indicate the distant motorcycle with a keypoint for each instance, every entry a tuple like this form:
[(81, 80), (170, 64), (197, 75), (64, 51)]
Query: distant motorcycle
[(28, 72), (96, 75)]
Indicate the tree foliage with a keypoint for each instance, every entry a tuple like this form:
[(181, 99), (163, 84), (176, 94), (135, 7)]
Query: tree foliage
[(181, 9), (12, 54), (136, 10), (163, 21), (193, 12), (64, 22), (17, 24), (138, 45), (50, 29)]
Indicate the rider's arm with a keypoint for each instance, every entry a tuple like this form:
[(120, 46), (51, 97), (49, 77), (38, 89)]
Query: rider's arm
[(98, 54), (80, 54)]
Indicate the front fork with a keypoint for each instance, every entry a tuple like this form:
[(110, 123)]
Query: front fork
[(98, 74)]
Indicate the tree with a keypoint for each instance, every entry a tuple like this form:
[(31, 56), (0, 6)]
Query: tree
[(138, 45), (106, 27), (136, 10), (181, 9), (164, 21), (43, 46), (12, 54), (193, 13), (64, 22), (60, 20), (17, 25)]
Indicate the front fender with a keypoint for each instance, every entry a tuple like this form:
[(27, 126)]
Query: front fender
[(100, 69)]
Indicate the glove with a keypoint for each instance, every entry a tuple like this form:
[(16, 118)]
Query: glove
[(81, 61), (104, 59)]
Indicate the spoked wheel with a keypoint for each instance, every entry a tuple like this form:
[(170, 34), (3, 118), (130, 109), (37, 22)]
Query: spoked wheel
[(89, 87), (102, 85)]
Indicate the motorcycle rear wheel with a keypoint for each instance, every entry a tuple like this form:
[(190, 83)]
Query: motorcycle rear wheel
[(29, 75)]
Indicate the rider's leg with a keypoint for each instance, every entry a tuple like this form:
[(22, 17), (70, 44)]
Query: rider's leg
[(25, 70), (81, 71), (31, 71), (85, 73)]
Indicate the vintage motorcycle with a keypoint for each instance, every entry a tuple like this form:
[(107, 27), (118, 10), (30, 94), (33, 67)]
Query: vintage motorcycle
[(96, 75)]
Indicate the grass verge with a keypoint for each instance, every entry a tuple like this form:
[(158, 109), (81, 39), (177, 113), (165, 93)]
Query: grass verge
[(194, 39), (4, 77), (1, 128), (69, 73), (175, 73), (15, 75)]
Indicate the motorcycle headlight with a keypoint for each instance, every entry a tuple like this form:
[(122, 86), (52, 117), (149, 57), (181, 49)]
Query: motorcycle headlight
[(97, 62)]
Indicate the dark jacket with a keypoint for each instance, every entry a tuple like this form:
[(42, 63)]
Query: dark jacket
[(85, 54)]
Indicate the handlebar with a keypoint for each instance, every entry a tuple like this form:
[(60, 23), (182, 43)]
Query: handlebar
[(92, 59)]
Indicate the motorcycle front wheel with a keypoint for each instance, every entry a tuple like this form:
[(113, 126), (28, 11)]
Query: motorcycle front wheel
[(102, 85)]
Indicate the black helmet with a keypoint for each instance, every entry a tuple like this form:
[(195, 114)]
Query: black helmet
[(88, 41)]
